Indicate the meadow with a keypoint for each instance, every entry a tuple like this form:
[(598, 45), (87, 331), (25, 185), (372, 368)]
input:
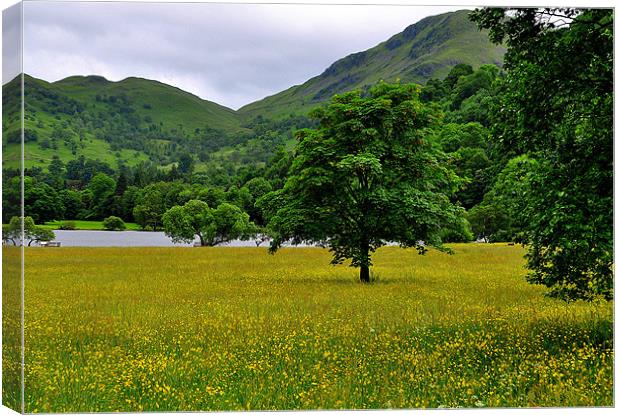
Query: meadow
[(131, 329), (87, 225)]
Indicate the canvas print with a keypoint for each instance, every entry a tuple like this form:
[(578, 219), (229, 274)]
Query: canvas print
[(227, 207)]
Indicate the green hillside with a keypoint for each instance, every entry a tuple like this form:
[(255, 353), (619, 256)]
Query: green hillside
[(424, 50), (135, 120), (127, 121), (163, 103)]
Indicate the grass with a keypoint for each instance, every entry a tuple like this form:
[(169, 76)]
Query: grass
[(132, 329), (87, 225)]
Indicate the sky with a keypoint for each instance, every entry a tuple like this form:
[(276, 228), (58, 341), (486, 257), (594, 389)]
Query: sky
[(232, 54)]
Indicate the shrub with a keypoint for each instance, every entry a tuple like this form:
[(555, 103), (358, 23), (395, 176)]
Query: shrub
[(67, 226), (113, 223)]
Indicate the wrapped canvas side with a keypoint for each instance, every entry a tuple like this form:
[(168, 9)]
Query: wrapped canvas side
[(12, 210)]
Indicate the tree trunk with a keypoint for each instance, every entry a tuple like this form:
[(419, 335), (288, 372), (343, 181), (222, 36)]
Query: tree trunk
[(364, 274), (364, 267)]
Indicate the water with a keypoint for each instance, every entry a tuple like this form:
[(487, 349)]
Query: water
[(128, 238)]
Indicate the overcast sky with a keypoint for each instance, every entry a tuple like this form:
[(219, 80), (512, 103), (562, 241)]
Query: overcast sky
[(232, 54)]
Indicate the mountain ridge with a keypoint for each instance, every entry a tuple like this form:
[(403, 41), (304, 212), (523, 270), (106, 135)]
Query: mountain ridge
[(426, 49), (136, 119)]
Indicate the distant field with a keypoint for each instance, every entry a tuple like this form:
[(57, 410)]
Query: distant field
[(88, 225), (111, 329)]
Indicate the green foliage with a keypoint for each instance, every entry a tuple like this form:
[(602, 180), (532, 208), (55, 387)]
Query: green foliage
[(150, 208), (455, 73), (467, 86), (490, 222), (12, 232), (67, 225), (128, 121), (41, 201), (557, 107), (31, 232), (11, 195), (113, 223), (368, 175), (459, 231), (212, 226), (468, 145), (103, 189)]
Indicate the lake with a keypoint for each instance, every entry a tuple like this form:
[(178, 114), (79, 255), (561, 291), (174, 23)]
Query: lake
[(127, 238)]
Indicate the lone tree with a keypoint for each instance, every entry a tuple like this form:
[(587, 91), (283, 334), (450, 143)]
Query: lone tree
[(32, 232), (370, 174), (556, 108), (212, 226)]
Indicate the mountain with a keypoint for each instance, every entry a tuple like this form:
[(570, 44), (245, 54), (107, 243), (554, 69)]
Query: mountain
[(163, 103), (424, 50), (137, 119), (130, 120)]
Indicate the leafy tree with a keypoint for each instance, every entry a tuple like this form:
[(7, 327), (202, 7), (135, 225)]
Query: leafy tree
[(186, 164), (459, 231), (12, 231), (11, 196), (489, 222), (213, 196), (56, 173), (153, 202), (468, 144), (32, 232), (72, 201), (128, 202), (468, 85), (256, 188), (37, 234), (113, 223), (148, 212), (476, 108), (122, 182), (459, 70), (41, 201), (368, 175), (212, 226), (102, 187), (557, 107), (434, 90)]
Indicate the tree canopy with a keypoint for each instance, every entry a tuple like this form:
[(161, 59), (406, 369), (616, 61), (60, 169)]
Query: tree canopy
[(556, 106), (212, 226), (32, 233), (370, 174)]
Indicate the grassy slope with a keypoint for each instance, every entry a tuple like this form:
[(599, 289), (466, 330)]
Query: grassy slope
[(235, 328), (170, 106), (427, 49)]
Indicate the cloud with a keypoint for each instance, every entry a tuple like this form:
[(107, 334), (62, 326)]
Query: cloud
[(11, 42), (232, 54)]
